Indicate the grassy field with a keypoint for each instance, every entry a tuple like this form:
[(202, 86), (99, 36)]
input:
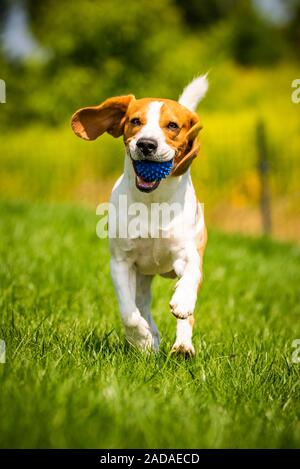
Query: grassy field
[(71, 381)]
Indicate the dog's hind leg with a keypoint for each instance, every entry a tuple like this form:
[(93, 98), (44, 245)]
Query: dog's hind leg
[(143, 302), (138, 330)]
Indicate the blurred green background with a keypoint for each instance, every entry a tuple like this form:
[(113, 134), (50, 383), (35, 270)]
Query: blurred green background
[(57, 56), (69, 380)]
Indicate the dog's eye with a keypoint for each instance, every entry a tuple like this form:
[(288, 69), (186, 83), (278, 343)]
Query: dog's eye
[(135, 121), (172, 126)]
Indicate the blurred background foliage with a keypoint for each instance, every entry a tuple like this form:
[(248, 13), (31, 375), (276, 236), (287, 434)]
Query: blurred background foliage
[(59, 55)]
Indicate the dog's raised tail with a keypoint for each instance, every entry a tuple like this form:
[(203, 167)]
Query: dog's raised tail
[(194, 92)]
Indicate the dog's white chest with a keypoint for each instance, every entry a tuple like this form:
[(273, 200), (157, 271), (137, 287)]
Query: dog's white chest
[(155, 252), (151, 255)]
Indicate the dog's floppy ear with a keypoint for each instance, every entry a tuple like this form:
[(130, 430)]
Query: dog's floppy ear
[(191, 148), (91, 122)]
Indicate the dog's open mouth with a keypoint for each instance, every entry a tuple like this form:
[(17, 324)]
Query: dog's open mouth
[(150, 173), (145, 186)]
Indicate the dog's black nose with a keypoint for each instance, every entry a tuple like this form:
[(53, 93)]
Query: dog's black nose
[(147, 146)]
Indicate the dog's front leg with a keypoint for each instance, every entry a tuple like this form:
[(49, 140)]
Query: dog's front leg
[(138, 331), (184, 331), (188, 267)]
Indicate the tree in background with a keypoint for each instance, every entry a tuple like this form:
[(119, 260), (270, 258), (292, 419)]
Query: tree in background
[(109, 45), (293, 27), (201, 14), (254, 40), (98, 48), (4, 4)]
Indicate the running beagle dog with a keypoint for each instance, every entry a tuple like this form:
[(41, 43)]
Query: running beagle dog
[(158, 132)]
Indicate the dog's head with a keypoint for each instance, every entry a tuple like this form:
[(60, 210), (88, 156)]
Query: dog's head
[(158, 130)]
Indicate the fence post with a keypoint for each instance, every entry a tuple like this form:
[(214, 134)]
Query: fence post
[(263, 172)]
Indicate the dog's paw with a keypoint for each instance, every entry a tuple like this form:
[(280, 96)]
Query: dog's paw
[(182, 348), (182, 304), (139, 334), (143, 342)]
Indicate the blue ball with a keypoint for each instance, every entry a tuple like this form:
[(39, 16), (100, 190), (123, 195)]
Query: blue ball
[(153, 170)]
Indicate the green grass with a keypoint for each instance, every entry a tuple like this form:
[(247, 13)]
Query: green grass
[(71, 381)]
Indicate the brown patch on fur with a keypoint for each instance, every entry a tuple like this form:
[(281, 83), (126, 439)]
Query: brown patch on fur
[(202, 245), (91, 122), (183, 139), (191, 320), (201, 248), (137, 109)]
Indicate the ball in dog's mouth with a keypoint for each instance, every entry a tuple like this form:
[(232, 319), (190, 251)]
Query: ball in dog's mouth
[(150, 173)]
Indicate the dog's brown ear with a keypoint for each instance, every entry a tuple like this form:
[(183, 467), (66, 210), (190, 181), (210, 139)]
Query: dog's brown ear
[(184, 159), (91, 122)]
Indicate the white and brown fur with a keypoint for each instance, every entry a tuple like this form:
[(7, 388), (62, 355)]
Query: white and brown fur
[(173, 127)]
